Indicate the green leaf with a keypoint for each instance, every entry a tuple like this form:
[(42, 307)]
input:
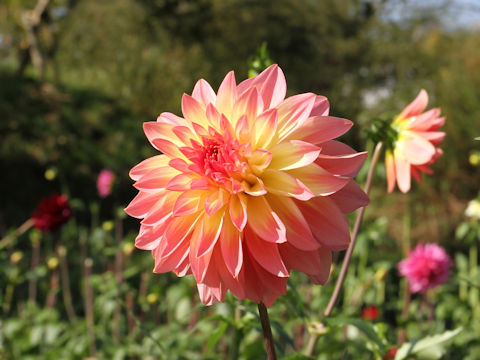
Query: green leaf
[(462, 230), (366, 328), (426, 348), (298, 357), (216, 336)]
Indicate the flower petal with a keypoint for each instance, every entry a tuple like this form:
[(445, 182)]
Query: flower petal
[(390, 170), (415, 149), (259, 161), (161, 210), (211, 227), (250, 104), (326, 261), (231, 247), (181, 182), (142, 203), (227, 95), (301, 260), (194, 111), (266, 254), (299, 234), (238, 210), (263, 221), (423, 121), (148, 165), (216, 200), (156, 130), (149, 236), (178, 229), (350, 198), (347, 165), (319, 129), (168, 148), (402, 171), (293, 112), (293, 154), (156, 179), (328, 224), (281, 183), (203, 93), (435, 137), (265, 129), (168, 263), (318, 180), (270, 83), (416, 106), (189, 202), (321, 107)]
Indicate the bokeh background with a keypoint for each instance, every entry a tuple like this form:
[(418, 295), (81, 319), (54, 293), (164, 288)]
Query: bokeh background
[(79, 77)]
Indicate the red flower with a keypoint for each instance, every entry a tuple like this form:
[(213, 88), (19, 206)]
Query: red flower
[(370, 313), (51, 213), (390, 354)]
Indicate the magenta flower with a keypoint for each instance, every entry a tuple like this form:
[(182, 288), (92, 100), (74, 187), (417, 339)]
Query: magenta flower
[(426, 267), (104, 182)]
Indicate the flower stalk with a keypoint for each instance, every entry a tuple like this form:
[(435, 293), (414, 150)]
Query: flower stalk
[(356, 228), (88, 264), (267, 331), (65, 279), (343, 272)]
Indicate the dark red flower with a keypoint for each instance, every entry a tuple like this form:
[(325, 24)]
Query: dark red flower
[(390, 354), (51, 213), (370, 313)]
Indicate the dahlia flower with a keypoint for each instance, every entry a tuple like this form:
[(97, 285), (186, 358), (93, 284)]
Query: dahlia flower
[(415, 147), (250, 186), (105, 182), (426, 267), (51, 213)]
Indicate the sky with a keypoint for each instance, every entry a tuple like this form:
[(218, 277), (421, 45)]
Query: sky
[(455, 13)]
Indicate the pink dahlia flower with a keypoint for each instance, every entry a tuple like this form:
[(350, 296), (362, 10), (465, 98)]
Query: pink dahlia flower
[(416, 146), (426, 267), (250, 186), (105, 182)]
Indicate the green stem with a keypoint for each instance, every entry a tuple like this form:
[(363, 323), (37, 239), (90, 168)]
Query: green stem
[(348, 255)]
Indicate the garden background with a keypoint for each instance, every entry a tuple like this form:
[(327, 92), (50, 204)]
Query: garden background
[(78, 79)]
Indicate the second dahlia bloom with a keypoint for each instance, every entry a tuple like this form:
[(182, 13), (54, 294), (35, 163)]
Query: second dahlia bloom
[(51, 213), (416, 145), (250, 186), (426, 267)]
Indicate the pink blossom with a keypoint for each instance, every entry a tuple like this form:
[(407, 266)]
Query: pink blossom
[(426, 267), (250, 186), (104, 182)]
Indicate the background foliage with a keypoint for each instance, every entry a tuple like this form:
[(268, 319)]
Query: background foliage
[(108, 66)]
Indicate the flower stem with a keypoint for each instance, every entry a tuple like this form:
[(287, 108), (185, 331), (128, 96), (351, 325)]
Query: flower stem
[(87, 273), (19, 231), (267, 331), (356, 228), (348, 255), (64, 276)]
